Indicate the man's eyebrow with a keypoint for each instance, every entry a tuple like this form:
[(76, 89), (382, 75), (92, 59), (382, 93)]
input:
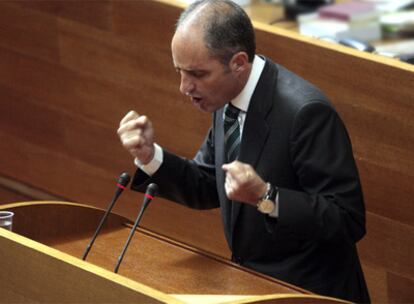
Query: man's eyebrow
[(190, 70)]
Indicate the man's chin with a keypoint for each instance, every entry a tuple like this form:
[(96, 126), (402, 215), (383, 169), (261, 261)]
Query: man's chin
[(202, 105), (204, 109), (208, 108)]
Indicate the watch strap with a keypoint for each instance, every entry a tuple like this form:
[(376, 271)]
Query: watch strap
[(268, 199)]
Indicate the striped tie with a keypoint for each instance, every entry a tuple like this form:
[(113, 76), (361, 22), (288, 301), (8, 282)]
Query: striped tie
[(231, 132)]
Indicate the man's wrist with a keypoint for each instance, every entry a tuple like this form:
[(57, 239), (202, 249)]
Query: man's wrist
[(263, 192), (154, 164), (149, 158)]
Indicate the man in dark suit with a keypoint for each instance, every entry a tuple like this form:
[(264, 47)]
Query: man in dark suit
[(283, 172)]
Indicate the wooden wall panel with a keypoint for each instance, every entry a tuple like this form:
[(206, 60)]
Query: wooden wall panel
[(107, 56), (131, 22), (56, 130), (54, 172), (28, 32), (8, 196), (70, 70), (389, 244), (383, 195), (376, 278), (400, 289), (94, 13)]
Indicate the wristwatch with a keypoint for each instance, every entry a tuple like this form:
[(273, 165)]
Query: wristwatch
[(267, 203)]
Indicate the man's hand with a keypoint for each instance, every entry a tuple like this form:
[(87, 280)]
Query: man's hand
[(137, 136), (242, 183)]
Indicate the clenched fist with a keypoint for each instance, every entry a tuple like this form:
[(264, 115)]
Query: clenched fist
[(242, 183), (137, 136)]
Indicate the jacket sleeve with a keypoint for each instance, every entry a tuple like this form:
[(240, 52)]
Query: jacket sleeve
[(188, 182), (331, 205)]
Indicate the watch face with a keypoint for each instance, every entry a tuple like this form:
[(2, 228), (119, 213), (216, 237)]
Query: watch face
[(266, 206)]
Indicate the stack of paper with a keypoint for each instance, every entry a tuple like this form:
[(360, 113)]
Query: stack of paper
[(353, 11), (353, 19)]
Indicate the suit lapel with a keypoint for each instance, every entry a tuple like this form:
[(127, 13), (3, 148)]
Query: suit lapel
[(219, 160), (256, 127), (255, 133)]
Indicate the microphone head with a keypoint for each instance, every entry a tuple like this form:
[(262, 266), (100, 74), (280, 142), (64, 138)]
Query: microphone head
[(124, 179), (152, 189)]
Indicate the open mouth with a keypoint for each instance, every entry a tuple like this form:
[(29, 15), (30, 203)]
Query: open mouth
[(196, 100)]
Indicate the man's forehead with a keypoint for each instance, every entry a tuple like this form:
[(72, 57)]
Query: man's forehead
[(190, 54), (190, 66)]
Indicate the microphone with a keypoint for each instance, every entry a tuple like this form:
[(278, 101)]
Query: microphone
[(150, 193), (123, 181)]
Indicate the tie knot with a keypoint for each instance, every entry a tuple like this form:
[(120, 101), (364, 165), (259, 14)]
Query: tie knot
[(231, 112)]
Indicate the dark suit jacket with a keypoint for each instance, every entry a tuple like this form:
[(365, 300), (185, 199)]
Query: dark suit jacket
[(295, 140)]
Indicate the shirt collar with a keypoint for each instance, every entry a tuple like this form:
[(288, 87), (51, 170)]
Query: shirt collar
[(242, 100)]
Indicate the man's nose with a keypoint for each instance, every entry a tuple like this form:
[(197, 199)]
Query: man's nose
[(186, 85)]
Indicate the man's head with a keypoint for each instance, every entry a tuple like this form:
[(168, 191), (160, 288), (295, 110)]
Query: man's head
[(213, 49)]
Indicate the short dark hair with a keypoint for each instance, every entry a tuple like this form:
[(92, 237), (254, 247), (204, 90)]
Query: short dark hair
[(226, 26)]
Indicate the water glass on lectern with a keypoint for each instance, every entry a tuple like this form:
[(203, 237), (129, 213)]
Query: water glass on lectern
[(6, 220)]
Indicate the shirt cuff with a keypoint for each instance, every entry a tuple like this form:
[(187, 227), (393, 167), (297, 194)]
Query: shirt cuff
[(154, 164), (275, 212)]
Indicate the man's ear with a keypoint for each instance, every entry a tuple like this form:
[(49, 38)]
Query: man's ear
[(239, 62)]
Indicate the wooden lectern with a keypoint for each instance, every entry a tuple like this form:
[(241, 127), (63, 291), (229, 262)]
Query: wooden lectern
[(41, 262)]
